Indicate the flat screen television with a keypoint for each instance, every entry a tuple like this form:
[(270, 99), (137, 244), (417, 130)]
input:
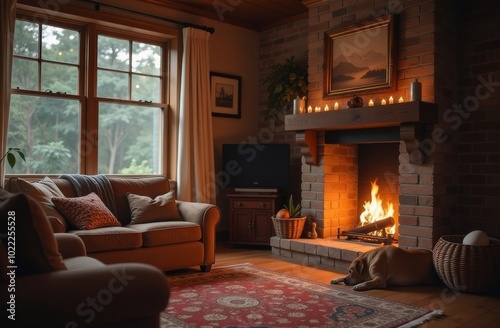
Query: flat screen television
[(256, 167)]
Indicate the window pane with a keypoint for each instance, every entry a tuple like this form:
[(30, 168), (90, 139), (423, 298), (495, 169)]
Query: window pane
[(146, 59), (59, 44), (113, 53), (112, 85), (129, 139), (24, 74), (146, 88), (60, 78), (46, 130), (26, 39)]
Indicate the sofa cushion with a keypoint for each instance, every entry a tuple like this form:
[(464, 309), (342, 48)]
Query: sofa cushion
[(144, 209), (86, 212), (109, 239), (42, 191), (168, 232), (150, 186), (82, 262), (36, 249)]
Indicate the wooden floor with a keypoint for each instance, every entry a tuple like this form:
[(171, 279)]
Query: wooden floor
[(460, 309)]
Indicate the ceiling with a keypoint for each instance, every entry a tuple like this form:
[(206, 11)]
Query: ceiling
[(252, 14)]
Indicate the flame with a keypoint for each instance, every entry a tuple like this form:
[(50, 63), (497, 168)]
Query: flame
[(374, 210)]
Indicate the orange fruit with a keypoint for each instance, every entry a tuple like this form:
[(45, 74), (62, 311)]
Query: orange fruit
[(283, 214)]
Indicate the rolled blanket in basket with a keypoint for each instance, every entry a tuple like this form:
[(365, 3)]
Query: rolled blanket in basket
[(85, 184)]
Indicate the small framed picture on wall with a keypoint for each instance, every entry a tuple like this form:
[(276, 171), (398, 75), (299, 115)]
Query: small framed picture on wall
[(225, 95)]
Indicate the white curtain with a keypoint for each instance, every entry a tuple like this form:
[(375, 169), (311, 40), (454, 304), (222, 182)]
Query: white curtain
[(7, 20), (195, 161)]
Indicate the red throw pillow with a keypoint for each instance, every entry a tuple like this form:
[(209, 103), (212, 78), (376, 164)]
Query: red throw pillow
[(86, 212)]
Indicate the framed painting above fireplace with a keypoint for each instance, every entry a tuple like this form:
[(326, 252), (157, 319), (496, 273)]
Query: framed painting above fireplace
[(359, 57)]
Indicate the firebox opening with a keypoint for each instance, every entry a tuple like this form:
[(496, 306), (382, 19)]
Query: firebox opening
[(379, 163)]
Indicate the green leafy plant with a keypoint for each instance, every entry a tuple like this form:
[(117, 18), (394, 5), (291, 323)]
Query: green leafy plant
[(293, 209), (285, 82), (10, 154)]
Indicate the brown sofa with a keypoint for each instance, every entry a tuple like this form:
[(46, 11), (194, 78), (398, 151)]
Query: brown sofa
[(167, 245), (47, 281)]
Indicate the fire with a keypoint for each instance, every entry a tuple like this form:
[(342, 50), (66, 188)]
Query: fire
[(374, 210)]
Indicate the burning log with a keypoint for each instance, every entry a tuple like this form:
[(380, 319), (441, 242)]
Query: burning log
[(377, 225), (363, 231)]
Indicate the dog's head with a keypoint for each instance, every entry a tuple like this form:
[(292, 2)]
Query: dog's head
[(357, 273)]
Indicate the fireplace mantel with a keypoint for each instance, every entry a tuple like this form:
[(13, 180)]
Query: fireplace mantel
[(411, 117)]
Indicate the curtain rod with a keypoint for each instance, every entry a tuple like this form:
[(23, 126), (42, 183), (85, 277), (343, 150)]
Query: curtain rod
[(98, 5)]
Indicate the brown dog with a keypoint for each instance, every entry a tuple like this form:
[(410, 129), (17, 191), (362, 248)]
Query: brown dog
[(390, 265)]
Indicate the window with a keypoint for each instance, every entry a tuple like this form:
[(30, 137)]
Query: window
[(45, 105), (129, 133), (86, 99)]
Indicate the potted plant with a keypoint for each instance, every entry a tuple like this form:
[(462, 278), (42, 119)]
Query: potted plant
[(285, 82), (289, 222), (11, 157)]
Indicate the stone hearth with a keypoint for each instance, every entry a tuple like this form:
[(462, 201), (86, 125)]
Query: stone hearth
[(337, 253)]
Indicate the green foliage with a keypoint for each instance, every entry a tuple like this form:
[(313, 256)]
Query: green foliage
[(143, 168), (285, 82), (48, 128), (10, 154), (50, 158), (293, 209)]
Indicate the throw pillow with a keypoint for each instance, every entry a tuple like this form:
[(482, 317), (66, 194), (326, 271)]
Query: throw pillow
[(145, 209), (36, 249), (86, 212), (42, 191)]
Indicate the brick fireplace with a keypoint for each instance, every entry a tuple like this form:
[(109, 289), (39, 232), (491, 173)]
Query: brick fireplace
[(333, 173), (342, 153)]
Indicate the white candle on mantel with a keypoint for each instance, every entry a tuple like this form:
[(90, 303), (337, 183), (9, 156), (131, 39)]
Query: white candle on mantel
[(370, 103), (383, 102), (401, 100), (391, 100), (318, 109), (309, 109), (336, 106), (327, 108)]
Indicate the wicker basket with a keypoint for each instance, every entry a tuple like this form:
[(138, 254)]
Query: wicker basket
[(288, 228), (467, 268)]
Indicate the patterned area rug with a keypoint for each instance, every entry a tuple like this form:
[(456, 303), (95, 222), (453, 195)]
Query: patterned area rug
[(247, 296)]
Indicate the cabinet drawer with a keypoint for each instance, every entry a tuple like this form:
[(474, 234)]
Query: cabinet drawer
[(253, 204)]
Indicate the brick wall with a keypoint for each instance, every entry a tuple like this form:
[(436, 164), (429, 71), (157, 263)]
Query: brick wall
[(276, 45), (478, 124)]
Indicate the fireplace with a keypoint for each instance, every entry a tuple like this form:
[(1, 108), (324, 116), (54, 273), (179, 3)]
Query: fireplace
[(345, 151)]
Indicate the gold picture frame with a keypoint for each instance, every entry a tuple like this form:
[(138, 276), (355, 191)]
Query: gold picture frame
[(359, 57), (225, 95)]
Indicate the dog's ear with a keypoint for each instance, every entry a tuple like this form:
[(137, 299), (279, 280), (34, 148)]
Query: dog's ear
[(359, 267)]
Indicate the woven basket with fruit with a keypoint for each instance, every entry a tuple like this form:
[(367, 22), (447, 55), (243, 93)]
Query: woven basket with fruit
[(288, 222)]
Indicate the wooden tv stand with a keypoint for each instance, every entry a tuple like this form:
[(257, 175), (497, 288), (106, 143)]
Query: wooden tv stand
[(250, 217)]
